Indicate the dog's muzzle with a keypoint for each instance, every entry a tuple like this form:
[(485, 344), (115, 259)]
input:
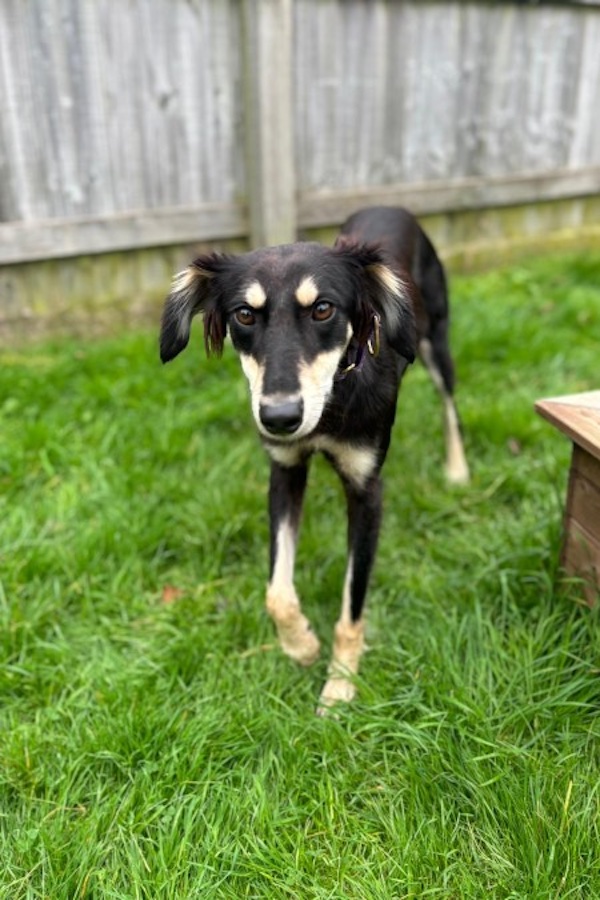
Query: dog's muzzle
[(282, 418)]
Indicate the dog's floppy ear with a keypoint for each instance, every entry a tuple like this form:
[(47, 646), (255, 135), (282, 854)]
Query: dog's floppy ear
[(385, 291), (391, 297), (194, 290)]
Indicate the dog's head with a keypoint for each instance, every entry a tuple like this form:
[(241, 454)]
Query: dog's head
[(291, 312)]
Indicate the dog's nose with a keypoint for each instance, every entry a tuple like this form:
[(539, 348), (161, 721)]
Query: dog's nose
[(282, 418)]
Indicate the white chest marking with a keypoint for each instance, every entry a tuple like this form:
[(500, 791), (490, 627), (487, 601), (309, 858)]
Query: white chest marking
[(356, 463)]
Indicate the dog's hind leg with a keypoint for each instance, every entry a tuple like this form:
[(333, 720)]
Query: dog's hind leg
[(436, 357), (286, 492), (364, 518)]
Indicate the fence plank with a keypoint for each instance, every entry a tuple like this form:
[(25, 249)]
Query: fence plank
[(269, 121), (410, 92), (109, 107)]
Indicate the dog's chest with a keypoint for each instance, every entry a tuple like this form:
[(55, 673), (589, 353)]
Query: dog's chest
[(354, 462)]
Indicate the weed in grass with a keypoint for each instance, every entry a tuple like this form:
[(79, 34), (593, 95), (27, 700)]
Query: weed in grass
[(153, 740)]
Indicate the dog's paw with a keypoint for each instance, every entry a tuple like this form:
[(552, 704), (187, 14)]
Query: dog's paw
[(457, 472), (338, 689), (457, 467), (300, 642), (296, 637)]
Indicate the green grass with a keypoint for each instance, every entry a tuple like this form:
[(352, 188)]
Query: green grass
[(154, 742)]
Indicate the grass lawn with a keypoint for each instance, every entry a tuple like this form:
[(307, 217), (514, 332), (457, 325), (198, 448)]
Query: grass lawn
[(155, 743)]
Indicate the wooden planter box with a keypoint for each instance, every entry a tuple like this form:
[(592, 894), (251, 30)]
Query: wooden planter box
[(578, 416)]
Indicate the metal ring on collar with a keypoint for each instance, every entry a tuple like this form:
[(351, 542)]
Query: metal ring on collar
[(374, 341)]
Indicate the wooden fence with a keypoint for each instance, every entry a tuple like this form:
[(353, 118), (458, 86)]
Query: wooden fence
[(137, 124)]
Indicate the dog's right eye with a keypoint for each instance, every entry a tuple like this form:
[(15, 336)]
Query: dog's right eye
[(322, 310), (245, 316)]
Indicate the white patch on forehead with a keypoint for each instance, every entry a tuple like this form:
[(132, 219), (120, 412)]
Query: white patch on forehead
[(255, 295), (307, 291)]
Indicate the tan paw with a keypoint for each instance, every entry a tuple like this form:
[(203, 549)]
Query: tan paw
[(338, 689), (457, 467), (300, 642), (458, 474)]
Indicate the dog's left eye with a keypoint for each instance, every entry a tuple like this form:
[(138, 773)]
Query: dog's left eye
[(322, 310), (245, 316)]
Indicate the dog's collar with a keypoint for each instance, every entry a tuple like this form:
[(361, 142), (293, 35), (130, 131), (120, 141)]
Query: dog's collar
[(373, 344)]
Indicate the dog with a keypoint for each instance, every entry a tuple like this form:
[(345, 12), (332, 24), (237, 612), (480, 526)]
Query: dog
[(324, 336)]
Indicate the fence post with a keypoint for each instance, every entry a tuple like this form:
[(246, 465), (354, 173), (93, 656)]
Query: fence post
[(269, 121)]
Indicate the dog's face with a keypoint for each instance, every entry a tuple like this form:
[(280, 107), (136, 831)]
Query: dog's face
[(291, 312)]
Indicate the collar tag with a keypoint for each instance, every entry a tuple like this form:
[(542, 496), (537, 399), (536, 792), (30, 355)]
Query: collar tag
[(374, 340), (373, 346)]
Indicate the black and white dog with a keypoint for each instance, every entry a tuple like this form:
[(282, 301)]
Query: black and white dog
[(324, 336)]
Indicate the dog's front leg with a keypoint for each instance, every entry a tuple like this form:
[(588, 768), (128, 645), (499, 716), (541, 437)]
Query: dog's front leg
[(286, 492), (364, 519)]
